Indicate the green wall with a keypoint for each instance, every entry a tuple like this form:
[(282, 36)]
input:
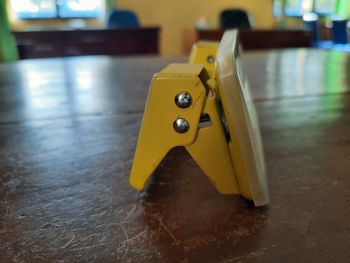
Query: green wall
[(343, 8), (8, 49)]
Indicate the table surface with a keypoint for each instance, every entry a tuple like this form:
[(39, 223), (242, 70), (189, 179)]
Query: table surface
[(68, 131)]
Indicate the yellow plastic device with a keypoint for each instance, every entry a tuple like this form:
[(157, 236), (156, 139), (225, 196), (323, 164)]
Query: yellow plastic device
[(205, 106)]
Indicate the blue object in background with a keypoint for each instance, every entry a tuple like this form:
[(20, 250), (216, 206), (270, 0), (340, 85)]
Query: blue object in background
[(123, 19), (311, 23), (339, 31)]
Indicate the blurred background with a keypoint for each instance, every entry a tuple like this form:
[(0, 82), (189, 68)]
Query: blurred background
[(179, 24)]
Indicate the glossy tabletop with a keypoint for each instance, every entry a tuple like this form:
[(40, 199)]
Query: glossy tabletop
[(68, 131)]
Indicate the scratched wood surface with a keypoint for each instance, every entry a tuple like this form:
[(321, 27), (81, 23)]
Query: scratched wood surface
[(68, 130)]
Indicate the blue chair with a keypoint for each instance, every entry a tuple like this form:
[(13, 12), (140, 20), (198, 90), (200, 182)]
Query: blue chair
[(123, 19), (311, 23), (339, 31)]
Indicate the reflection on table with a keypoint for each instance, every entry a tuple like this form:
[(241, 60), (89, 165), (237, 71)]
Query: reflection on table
[(68, 131)]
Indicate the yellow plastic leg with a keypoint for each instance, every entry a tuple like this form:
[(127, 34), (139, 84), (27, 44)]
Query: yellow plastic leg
[(157, 135), (211, 151)]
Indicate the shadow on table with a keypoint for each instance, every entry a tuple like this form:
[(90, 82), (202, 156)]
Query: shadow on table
[(189, 219)]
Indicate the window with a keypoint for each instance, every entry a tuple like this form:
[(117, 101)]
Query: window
[(36, 9), (293, 7), (80, 8), (299, 7), (325, 6), (277, 7)]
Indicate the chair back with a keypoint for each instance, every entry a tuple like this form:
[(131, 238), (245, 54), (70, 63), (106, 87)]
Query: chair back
[(311, 23), (339, 31), (123, 19), (235, 18)]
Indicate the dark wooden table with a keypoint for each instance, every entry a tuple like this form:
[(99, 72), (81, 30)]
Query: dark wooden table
[(68, 130)]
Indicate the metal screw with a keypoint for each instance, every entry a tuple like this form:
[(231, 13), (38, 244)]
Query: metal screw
[(210, 59), (181, 125), (183, 99)]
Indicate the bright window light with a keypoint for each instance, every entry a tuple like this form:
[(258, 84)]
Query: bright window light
[(31, 9), (307, 6), (325, 6), (299, 7), (23, 9), (293, 7), (80, 8)]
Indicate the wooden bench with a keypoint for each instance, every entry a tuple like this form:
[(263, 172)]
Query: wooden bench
[(264, 39), (62, 43)]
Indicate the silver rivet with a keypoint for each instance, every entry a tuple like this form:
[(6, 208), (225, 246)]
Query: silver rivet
[(181, 125), (183, 99), (210, 59)]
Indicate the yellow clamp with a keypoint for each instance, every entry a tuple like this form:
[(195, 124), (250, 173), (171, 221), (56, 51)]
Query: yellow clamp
[(184, 108)]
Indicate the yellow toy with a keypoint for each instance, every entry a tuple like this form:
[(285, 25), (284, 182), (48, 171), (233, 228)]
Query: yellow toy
[(205, 106)]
